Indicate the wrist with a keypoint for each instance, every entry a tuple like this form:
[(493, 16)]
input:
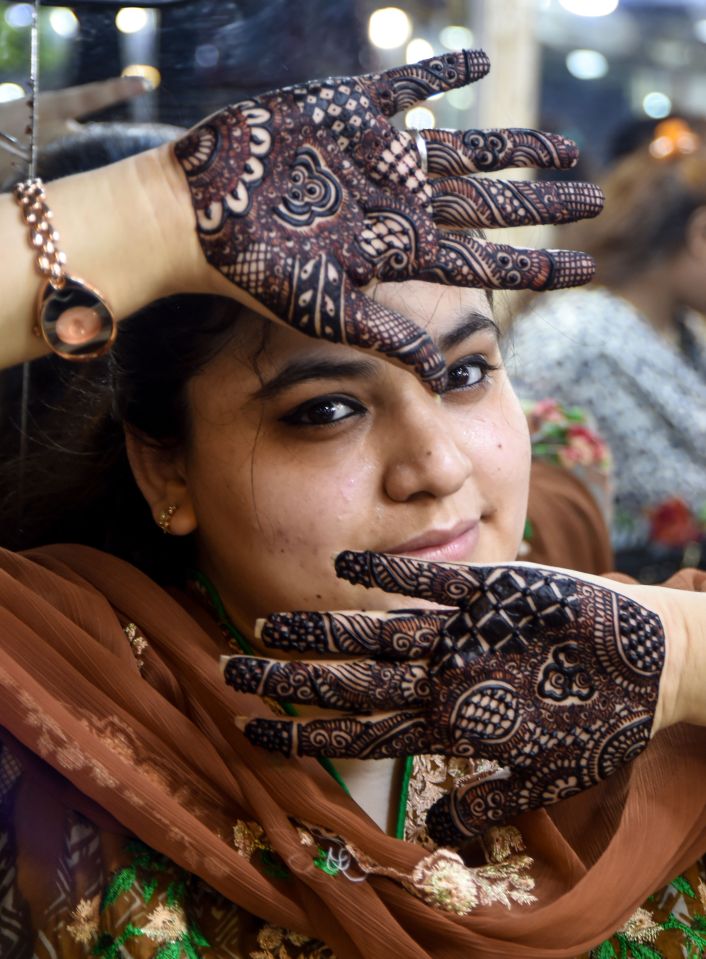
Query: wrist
[(682, 691)]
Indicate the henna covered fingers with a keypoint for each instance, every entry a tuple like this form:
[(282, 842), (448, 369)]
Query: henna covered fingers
[(377, 737), (466, 261), (355, 686), (460, 201), (458, 153), (410, 634), (552, 678)]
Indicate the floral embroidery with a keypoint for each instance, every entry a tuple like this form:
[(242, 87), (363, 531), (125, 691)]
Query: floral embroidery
[(641, 927), (165, 924), (138, 643), (248, 838), (673, 925), (441, 879), (273, 940), (444, 880), (84, 927), (432, 777), (500, 842)]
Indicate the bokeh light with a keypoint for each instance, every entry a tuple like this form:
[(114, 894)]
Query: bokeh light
[(418, 49), (656, 104), (63, 22), (131, 19), (389, 27), (586, 64)]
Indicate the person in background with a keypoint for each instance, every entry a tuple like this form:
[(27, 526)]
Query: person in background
[(630, 349)]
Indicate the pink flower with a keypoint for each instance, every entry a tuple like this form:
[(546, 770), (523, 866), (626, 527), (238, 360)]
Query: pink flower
[(548, 410), (583, 448)]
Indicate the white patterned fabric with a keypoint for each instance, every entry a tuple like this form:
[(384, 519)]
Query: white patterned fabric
[(593, 349)]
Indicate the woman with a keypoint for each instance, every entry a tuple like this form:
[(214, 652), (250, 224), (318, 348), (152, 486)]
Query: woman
[(116, 720), (650, 265)]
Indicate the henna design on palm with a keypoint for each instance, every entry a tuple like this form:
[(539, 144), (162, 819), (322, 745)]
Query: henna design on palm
[(305, 194), (552, 677)]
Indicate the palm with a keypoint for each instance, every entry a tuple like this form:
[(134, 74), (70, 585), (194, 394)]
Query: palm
[(305, 194), (552, 679)]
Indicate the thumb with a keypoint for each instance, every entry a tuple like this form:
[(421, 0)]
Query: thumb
[(478, 801)]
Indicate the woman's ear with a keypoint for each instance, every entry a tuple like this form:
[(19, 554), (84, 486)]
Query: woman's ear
[(160, 474)]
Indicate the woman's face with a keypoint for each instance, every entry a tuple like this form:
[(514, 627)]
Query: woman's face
[(300, 449)]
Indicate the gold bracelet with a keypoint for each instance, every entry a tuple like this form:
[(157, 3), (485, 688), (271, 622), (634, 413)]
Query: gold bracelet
[(73, 318)]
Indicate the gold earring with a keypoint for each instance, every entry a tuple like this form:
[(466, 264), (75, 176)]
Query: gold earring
[(165, 517)]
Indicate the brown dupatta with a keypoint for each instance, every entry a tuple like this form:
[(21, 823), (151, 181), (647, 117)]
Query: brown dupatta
[(158, 755)]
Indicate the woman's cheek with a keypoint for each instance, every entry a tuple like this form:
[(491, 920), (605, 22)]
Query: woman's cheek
[(314, 512)]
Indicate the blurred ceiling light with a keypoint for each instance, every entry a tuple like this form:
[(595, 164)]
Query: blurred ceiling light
[(462, 99), (144, 70), (418, 49), (131, 19), (586, 64), (590, 8), (389, 27), (19, 15), (699, 30), (656, 105), (419, 118), (10, 91), (456, 38), (63, 22)]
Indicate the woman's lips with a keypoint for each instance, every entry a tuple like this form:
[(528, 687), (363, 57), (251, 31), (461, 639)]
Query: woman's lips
[(455, 545)]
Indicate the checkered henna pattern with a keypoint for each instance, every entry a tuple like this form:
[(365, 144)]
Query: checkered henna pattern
[(550, 676), (305, 194)]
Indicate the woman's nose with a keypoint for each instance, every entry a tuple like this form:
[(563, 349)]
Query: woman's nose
[(426, 456)]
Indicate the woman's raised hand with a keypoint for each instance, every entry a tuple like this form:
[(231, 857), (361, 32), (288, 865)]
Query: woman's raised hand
[(553, 677), (306, 194)]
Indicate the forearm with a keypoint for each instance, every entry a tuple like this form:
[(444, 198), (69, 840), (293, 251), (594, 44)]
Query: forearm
[(127, 229)]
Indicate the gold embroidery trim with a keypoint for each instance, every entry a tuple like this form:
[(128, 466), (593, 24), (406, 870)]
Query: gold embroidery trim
[(138, 643)]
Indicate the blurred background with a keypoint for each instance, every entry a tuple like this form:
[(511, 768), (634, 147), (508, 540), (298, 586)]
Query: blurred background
[(597, 70)]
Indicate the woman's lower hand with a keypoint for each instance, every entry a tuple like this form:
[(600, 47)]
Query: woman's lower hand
[(558, 680), (304, 195)]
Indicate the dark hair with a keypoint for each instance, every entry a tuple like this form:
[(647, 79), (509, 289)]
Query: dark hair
[(77, 484), (649, 202), (96, 145)]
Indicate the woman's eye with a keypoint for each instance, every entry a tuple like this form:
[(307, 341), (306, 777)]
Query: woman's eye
[(468, 373), (322, 411)]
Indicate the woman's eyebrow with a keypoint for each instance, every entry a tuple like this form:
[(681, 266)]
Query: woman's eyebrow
[(299, 371), (471, 323)]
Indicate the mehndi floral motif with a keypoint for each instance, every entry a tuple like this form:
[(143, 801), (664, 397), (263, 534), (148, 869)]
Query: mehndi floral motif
[(550, 678), (305, 194)]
